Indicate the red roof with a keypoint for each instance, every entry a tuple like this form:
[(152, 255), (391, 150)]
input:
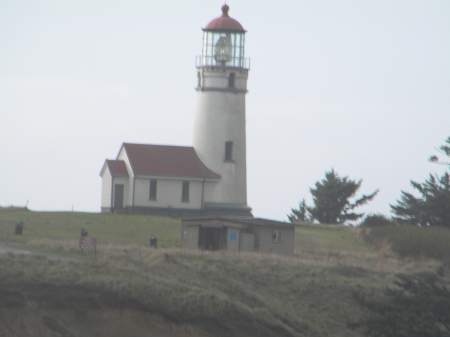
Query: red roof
[(166, 160), (225, 22), (117, 167)]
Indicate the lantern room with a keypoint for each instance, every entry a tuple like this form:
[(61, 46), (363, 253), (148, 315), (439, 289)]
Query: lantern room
[(223, 43)]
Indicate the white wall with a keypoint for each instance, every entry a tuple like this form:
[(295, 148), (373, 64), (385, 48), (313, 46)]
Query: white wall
[(106, 188), (128, 195), (218, 77), (220, 117), (168, 193), (126, 188)]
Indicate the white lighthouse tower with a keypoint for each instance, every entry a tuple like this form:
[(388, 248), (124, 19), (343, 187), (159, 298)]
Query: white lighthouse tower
[(219, 128)]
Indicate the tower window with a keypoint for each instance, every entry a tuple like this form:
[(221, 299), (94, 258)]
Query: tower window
[(231, 80), (185, 192), (228, 151), (199, 79), (152, 195)]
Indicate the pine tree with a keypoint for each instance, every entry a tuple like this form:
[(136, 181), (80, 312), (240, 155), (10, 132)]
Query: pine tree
[(444, 149), (432, 208), (301, 214), (331, 200)]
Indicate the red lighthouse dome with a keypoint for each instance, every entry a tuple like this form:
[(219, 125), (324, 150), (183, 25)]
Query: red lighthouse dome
[(225, 23)]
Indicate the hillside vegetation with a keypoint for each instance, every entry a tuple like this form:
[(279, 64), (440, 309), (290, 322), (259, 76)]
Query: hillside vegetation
[(108, 228), (130, 289)]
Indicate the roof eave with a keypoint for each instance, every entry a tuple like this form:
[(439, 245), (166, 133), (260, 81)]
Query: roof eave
[(207, 178), (224, 30)]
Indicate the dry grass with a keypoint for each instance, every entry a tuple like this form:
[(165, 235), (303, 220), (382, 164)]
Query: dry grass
[(246, 294), (309, 294)]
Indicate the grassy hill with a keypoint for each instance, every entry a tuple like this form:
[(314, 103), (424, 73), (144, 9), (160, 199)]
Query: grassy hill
[(135, 229), (108, 228), (130, 289)]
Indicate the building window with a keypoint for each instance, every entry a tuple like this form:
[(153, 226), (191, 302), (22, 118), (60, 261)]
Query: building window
[(185, 192), (153, 185), (228, 151), (231, 80), (276, 235)]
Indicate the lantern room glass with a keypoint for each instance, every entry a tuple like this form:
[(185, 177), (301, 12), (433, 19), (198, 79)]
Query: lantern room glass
[(223, 49)]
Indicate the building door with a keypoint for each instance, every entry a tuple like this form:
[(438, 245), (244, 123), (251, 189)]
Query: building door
[(118, 196), (247, 242)]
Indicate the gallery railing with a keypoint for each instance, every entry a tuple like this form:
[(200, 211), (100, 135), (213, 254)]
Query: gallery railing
[(210, 61)]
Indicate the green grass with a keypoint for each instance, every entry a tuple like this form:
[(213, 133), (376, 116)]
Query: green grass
[(135, 229), (411, 241), (107, 228), (312, 237)]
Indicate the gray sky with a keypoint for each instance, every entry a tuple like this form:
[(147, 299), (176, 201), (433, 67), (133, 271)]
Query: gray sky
[(360, 86)]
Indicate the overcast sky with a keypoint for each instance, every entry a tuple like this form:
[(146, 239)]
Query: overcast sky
[(356, 85)]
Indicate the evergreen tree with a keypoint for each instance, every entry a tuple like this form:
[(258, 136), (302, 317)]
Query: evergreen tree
[(433, 207), (331, 199), (444, 149), (301, 214)]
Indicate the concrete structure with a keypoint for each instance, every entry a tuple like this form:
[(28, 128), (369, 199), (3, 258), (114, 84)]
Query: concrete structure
[(232, 234), (211, 176), (219, 128)]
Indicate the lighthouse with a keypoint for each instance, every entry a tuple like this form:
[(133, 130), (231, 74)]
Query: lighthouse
[(219, 136), (210, 177)]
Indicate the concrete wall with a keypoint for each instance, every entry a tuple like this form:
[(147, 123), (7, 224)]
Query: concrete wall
[(168, 193), (233, 245), (263, 239), (220, 118), (285, 247), (189, 237), (217, 77)]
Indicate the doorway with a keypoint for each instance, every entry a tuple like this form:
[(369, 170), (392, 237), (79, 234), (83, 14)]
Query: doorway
[(118, 195), (212, 238)]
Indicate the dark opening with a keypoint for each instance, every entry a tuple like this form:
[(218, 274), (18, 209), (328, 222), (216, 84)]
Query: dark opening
[(118, 196), (185, 191), (212, 238), (231, 80), (153, 185), (228, 151)]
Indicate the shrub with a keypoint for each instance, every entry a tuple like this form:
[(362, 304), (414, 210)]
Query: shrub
[(409, 241), (377, 220), (418, 306)]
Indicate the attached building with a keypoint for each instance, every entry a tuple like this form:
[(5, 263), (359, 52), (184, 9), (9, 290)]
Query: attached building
[(159, 179), (238, 235)]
